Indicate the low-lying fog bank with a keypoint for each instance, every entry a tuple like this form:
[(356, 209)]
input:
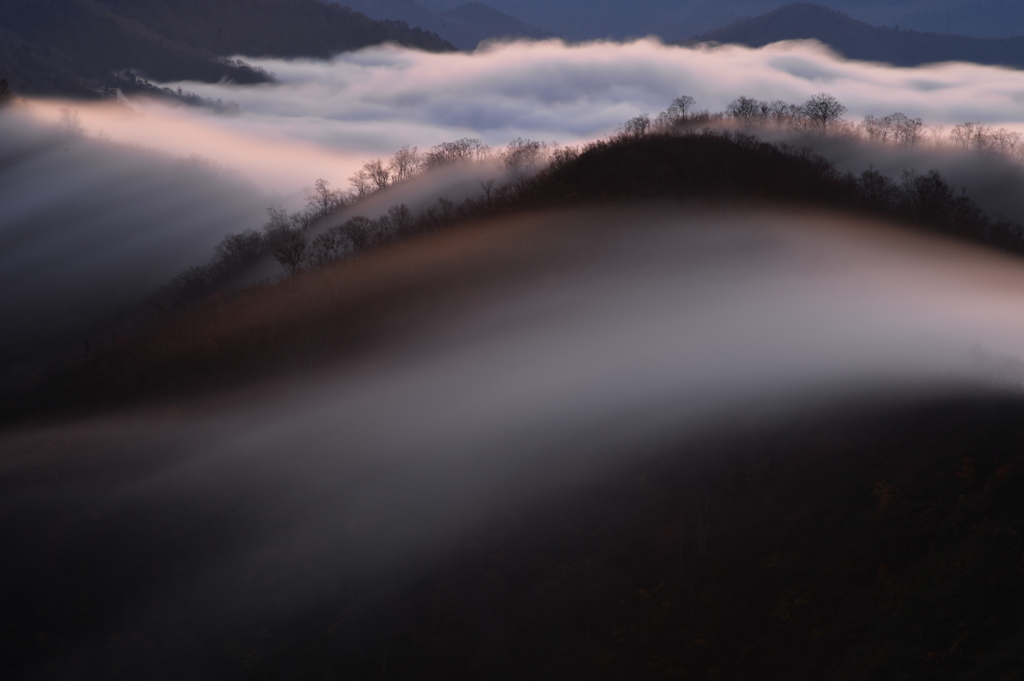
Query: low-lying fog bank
[(620, 333), (90, 228)]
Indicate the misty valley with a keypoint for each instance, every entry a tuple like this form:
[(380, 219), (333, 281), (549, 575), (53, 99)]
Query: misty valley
[(453, 350)]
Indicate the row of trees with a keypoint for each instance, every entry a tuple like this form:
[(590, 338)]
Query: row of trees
[(820, 112), (521, 155), (917, 198), (824, 113), (349, 238)]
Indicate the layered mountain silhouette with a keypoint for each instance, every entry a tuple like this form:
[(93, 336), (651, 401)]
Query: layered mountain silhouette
[(857, 40), (463, 25), (74, 47), (677, 19)]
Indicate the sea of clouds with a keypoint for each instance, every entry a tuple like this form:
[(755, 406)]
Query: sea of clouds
[(324, 118), (112, 172), (547, 383)]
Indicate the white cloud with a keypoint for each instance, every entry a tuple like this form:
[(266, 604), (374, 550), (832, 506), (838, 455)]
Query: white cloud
[(323, 118)]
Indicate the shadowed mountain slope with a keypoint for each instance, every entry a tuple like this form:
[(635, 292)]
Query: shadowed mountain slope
[(677, 19), (858, 40), (73, 47), (463, 25)]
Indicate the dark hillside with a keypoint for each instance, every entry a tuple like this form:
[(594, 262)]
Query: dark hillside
[(878, 545), (271, 28), (884, 544), (463, 25), (486, 22), (857, 40), (588, 20), (709, 168), (880, 542), (74, 47)]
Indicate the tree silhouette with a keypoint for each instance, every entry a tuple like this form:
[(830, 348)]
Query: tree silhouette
[(677, 112), (404, 164), (636, 127), (822, 110), (749, 111), (465, 149), (292, 252), (357, 231), (522, 154), (378, 173)]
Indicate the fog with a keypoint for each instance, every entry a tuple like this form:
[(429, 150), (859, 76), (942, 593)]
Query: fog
[(620, 334), (90, 229), (610, 345), (323, 118)]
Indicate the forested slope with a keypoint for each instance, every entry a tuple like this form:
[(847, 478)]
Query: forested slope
[(75, 47)]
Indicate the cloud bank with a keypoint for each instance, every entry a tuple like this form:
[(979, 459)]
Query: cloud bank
[(90, 229), (604, 352), (323, 118)]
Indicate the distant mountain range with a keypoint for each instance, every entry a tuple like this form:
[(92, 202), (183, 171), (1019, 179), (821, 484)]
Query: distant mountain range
[(74, 47), (678, 19), (463, 25), (857, 40)]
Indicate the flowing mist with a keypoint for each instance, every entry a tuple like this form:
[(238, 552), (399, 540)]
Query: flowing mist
[(322, 119), (602, 345), (521, 358), (90, 229)]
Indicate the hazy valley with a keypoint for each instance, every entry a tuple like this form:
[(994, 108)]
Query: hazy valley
[(335, 347)]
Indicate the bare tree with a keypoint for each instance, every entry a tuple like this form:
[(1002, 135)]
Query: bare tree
[(401, 217), (877, 129), (404, 164), (278, 227), (379, 175), (322, 200), (676, 113), (785, 115), (906, 130), (465, 149), (238, 250), (321, 250), (963, 134), (749, 111), (487, 185), (335, 241), (1008, 143), (362, 183), (636, 127), (292, 252), (823, 110), (522, 155), (358, 232)]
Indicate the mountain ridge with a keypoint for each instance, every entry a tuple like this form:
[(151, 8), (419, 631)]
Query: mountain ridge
[(464, 25), (76, 47), (855, 39)]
